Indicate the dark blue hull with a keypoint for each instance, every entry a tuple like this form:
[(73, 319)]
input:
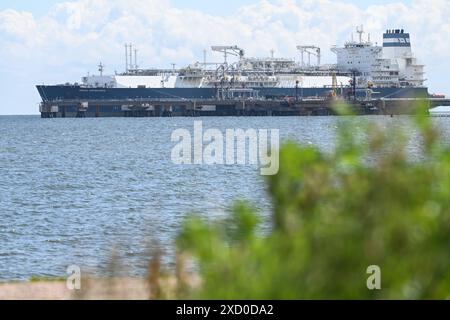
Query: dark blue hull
[(64, 92), (68, 101)]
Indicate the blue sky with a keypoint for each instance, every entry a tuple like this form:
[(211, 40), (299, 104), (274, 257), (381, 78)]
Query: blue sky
[(50, 41)]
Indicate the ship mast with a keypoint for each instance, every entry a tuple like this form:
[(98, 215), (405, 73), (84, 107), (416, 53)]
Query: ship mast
[(135, 59), (101, 67), (360, 31), (131, 56), (126, 58)]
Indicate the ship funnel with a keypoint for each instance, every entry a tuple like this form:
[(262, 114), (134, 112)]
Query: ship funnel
[(396, 44), (396, 39)]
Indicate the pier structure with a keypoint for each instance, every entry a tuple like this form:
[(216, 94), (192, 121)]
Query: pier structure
[(230, 107)]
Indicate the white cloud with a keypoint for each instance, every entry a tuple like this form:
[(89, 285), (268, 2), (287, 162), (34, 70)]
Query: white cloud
[(74, 36)]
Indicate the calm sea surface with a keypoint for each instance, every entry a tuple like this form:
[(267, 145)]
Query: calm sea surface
[(80, 191)]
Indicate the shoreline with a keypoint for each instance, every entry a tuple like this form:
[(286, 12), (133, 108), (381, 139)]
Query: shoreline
[(92, 289)]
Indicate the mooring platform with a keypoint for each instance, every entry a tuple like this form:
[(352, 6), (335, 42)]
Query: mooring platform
[(213, 107)]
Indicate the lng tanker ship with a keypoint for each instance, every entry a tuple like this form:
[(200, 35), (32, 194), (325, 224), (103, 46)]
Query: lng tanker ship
[(387, 71)]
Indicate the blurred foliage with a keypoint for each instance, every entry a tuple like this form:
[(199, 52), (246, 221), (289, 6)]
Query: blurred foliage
[(366, 203)]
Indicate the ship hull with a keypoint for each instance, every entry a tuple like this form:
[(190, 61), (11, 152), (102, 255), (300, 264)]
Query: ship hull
[(67, 101), (63, 92)]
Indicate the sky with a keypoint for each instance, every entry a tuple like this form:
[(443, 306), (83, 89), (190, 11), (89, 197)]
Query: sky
[(52, 42)]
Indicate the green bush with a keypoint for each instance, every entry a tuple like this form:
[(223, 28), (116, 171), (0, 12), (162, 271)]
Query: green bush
[(366, 203)]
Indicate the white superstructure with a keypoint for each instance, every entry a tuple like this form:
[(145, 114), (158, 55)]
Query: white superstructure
[(392, 65)]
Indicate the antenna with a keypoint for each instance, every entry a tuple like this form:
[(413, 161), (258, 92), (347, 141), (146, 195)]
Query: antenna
[(271, 53), (135, 59)]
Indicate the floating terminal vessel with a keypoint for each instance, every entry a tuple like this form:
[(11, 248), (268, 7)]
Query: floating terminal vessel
[(363, 71)]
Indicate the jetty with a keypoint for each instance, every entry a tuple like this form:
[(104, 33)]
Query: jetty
[(231, 107)]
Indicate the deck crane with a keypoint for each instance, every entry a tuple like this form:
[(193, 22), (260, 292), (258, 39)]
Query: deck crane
[(334, 84), (229, 50), (310, 50)]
